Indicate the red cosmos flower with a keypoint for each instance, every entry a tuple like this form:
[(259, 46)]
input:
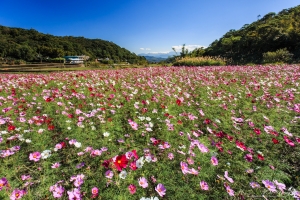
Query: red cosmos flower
[(230, 138), (155, 141), (275, 141), (240, 145), (207, 121), (48, 99), (220, 134), (260, 157), (121, 162), (178, 102), (135, 154), (133, 166), (257, 131), (50, 127), (179, 122), (63, 144), (106, 163), (274, 133), (144, 110), (70, 116), (11, 128)]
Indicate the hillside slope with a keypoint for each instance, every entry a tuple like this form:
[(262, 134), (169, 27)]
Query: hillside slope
[(28, 45), (267, 34)]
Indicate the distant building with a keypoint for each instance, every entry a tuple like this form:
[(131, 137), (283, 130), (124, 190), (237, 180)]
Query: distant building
[(76, 59)]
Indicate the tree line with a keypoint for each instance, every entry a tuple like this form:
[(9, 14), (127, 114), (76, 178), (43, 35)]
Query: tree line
[(31, 45), (272, 34), (272, 38)]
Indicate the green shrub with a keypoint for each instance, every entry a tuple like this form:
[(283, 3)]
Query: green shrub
[(278, 56), (200, 61)]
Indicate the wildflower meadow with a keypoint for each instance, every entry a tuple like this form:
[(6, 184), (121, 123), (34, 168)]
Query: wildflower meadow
[(229, 132)]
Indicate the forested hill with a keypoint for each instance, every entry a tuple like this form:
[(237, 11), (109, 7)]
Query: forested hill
[(18, 43), (269, 33)]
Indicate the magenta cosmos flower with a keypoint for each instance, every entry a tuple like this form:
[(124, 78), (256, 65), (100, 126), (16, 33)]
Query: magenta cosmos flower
[(214, 161), (160, 189), (3, 182), (132, 189), (35, 156), (17, 194)]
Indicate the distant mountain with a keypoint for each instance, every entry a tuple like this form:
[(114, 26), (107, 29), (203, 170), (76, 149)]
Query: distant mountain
[(31, 45), (153, 59), (159, 55)]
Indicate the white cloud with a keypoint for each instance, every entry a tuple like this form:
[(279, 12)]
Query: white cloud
[(161, 52), (189, 47), (147, 49)]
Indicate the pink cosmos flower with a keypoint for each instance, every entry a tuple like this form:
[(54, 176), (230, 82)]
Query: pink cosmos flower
[(57, 190), (170, 156), (133, 124), (214, 161), (269, 185), (227, 177), (109, 174), (74, 194), (184, 167), (160, 189), (254, 185), (17, 194), (35, 156), (143, 182), (55, 165), (249, 157), (193, 171), (95, 192), (132, 189), (25, 177), (229, 190), (280, 186), (287, 140), (190, 161), (204, 185)]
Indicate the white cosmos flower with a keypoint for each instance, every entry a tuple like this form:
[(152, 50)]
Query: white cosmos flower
[(106, 134), (140, 162), (77, 144), (123, 174), (28, 141), (45, 154), (148, 159)]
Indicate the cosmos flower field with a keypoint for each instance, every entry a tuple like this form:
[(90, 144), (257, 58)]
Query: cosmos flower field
[(151, 133)]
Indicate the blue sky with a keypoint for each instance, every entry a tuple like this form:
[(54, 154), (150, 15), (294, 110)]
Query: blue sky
[(141, 26)]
